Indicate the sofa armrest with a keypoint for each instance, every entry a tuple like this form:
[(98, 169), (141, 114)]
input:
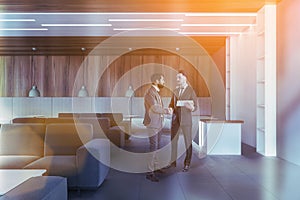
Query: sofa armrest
[(93, 160)]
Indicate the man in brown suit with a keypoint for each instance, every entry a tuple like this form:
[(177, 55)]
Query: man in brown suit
[(153, 120), (183, 102)]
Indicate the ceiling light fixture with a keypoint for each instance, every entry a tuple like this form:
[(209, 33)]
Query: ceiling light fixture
[(33, 92), (23, 29), (146, 29), (83, 92), (210, 33), (17, 20), (76, 25), (145, 20), (235, 14), (220, 25)]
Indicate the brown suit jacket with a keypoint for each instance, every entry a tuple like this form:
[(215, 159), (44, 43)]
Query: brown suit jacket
[(153, 109)]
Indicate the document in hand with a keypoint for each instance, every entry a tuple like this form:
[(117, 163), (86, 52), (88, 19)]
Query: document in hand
[(182, 102)]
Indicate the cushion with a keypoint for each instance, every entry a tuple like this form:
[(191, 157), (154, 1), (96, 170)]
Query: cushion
[(115, 118), (22, 139), (100, 125), (65, 139), (29, 120), (16, 161), (57, 166)]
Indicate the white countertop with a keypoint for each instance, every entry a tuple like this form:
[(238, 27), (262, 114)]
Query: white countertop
[(10, 178)]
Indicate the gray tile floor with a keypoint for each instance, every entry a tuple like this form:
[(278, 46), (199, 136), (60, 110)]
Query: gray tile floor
[(249, 176)]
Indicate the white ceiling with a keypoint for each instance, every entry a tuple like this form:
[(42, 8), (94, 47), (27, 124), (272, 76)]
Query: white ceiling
[(89, 24)]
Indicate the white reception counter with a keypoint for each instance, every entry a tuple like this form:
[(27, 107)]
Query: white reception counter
[(220, 137)]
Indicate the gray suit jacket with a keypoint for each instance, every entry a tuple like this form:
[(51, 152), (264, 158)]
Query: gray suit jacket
[(153, 109), (182, 115)]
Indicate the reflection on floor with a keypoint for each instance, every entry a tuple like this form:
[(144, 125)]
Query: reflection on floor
[(249, 176)]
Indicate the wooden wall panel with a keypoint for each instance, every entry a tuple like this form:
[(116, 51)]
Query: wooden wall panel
[(171, 65), (127, 77), (39, 72), (136, 71), (55, 76), (74, 63), (2, 76), (21, 72)]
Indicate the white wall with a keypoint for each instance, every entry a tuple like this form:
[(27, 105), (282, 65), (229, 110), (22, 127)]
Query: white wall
[(13, 107), (288, 96), (243, 84)]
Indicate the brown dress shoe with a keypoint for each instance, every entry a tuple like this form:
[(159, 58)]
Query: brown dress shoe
[(186, 168)]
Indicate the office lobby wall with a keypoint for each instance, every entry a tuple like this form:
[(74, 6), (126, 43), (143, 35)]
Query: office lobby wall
[(61, 76), (243, 85), (288, 73)]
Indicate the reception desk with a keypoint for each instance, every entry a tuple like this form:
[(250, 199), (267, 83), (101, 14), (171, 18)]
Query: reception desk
[(220, 137)]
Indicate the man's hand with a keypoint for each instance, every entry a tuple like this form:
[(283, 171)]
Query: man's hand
[(189, 105), (168, 110)]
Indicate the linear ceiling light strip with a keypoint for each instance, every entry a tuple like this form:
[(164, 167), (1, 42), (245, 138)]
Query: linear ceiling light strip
[(218, 25), (76, 25), (145, 20), (17, 20), (23, 29)]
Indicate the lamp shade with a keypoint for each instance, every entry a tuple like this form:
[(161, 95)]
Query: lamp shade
[(34, 92), (83, 92), (129, 92)]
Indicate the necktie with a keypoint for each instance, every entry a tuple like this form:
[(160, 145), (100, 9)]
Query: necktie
[(181, 91)]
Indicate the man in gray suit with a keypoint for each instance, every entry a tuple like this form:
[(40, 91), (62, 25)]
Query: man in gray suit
[(153, 120), (183, 102)]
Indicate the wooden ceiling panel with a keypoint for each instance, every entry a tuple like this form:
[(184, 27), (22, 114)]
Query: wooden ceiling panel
[(72, 45), (133, 5)]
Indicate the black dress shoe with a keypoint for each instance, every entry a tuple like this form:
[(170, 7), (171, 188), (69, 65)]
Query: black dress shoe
[(152, 177), (186, 168)]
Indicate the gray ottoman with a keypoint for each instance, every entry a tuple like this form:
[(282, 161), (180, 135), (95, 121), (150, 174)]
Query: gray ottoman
[(39, 188)]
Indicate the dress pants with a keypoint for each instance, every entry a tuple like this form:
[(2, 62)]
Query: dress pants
[(154, 141), (187, 134)]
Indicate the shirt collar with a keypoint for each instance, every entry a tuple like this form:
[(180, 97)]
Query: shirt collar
[(156, 88)]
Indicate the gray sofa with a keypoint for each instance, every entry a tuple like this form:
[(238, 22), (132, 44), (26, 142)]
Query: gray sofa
[(66, 150), (102, 126), (118, 129)]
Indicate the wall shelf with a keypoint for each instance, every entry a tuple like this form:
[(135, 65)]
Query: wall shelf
[(266, 81)]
